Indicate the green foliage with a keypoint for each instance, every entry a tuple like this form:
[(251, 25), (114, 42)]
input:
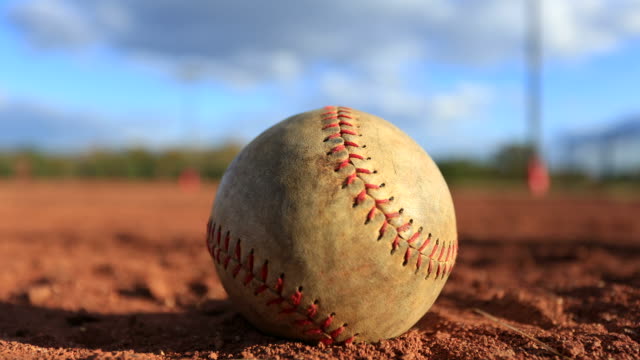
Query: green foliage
[(38, 164), (511, 160), (507, 166), (6, 168), (509, 163), (134, 163), (459, 170)]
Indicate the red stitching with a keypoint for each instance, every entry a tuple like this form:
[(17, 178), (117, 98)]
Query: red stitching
[(343, 165), (261, 289), (264, 272), (441, 253), (383, 228), (371, 213), (433, 251), (302, 322), (294, 300), (250, 262), (327, 322), (208, 236), (209, 248), (312, 310), (414, 237), (392, 215), (335, 333), (351, 178), (340, 113), (238, 251), (248, 278), (396, 242), (236, 270), (403, 227), (425, 244), (327, 341), (280, 284)]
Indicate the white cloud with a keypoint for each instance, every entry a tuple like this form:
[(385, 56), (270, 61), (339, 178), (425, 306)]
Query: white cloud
[(573, 29), (50, 23), (28, 122), (24, 123), (354, 52), (463, 103), (396, 101), (252, 42)]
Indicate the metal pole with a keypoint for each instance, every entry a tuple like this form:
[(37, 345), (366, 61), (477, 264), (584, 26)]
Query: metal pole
[(533, 52)]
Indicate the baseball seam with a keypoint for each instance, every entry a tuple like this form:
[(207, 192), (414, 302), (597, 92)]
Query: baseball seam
[(309, 322), (343, 140), (342, 120)]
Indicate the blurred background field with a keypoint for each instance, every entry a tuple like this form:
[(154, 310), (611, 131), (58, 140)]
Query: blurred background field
[(118, 118), (146, 90), (134, 164), (506, 169)]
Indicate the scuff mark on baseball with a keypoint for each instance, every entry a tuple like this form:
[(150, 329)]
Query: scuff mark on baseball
[(333, 226)]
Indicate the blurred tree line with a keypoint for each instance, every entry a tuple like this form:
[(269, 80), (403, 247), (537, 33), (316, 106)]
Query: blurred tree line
[(136, 163), (507, 165)]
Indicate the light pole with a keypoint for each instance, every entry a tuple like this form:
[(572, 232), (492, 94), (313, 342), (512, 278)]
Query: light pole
[(537, 174)]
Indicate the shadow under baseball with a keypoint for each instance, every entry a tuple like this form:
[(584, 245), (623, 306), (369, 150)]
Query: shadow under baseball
[(212, 327)]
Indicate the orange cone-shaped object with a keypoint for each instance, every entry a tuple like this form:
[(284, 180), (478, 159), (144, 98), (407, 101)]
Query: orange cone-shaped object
[(189, 179), (538, 177)]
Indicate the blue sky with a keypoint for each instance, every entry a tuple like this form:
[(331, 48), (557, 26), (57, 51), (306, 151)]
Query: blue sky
[(80, 74)]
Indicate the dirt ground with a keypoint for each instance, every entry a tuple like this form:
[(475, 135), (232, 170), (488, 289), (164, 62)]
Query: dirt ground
[(120, 271)]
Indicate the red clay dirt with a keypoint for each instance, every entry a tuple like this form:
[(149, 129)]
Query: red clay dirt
[(120, 271)]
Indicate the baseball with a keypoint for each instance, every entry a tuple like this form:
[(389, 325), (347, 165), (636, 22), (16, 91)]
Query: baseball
[(333, 226)]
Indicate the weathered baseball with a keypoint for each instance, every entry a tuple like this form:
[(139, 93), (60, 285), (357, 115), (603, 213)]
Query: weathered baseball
[(333, 226)]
